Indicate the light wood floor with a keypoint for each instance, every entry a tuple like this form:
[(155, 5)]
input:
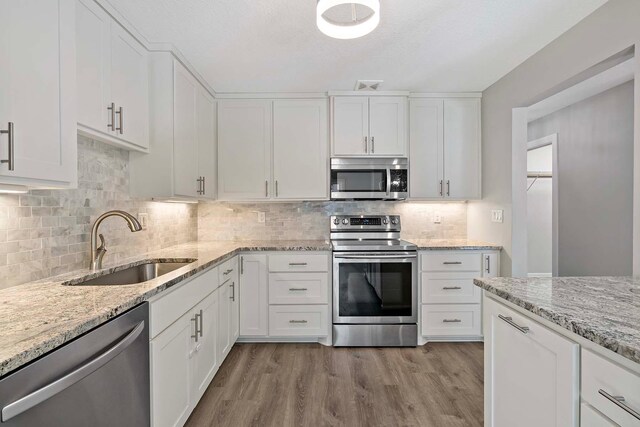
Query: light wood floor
[(439, 384)]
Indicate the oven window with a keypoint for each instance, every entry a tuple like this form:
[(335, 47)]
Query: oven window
[(375, 289), (359, 180)]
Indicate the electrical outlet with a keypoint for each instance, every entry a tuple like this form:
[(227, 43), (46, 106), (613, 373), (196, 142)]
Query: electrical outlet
[(143, 219), (497, 215), (437, 218), (262, 217)]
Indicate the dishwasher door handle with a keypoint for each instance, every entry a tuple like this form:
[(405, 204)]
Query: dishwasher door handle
[(29, 401)]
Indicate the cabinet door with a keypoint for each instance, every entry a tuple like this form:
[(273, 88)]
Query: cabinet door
[(244, 149), (205, 361), (426, 154), (185, 143), (531, 376), (38, 89), (235, 309), (224, 317), (254, 315), (171, 354), (130, 87), (387, 124), (490, 265), (207, 152), (93, 27), (462, 148), (300, 149), (350, 126)]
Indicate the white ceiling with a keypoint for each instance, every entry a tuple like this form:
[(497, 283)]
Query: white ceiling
[(420, 45)]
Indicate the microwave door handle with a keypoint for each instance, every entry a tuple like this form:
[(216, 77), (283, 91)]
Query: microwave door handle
[(388, 181)]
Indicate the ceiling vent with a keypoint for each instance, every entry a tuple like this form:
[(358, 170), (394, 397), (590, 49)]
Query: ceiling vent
[(368, 85)]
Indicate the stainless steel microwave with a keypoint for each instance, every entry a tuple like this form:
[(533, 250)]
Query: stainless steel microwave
[(369, 179)]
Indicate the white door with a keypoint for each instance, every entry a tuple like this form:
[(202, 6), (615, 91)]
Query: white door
[(185, 143), (254, 303), (387, 124), (207, 152), (205, 361), (426, 156), (224, 316), (350, 126), (244, 149), (462, 148), (171, 354), (93, 28), (130, 87), (300, 165), (38, 89), (531, 374), (234, 323)]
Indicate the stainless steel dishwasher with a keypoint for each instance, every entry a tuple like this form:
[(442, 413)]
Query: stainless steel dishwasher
[(98, 379)]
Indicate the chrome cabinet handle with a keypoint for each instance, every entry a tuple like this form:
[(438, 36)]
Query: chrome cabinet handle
[(620, 402), (448, 188), (276, 188), (447, 288), (373, 146), (29, 401), (297, 264), (204, 190), (201, 323), (451, 320), (233, 293), (452, 262), (488, 264), (112, 109), (509, 320), (241, 265), (441, 187), (195, 321), (297, 289), (266, 188), (11, 153), (297, 321), (366, 145), (227, 271), (200, 185), (120, 113)]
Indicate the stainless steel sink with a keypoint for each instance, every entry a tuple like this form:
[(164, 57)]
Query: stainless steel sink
[(136, 274)]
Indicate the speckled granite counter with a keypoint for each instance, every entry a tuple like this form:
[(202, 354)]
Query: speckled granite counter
[(40, 316), (453, 244), (604, 310)]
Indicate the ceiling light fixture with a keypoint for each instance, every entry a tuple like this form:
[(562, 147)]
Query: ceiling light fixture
[(349, 29)]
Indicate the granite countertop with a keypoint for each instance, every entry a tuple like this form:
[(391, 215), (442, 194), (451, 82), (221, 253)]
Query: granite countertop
[(39, 316), (453, 244), (604, 310)]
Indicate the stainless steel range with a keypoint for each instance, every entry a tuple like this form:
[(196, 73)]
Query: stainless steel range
[(374, 282)]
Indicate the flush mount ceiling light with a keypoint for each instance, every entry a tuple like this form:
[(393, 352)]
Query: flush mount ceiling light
[(348, 29)]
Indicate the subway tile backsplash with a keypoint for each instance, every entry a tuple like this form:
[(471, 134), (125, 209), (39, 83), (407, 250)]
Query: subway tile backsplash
[(46, 232), (310, 220)]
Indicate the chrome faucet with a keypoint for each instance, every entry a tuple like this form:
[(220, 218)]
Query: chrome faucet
[(97, 252)]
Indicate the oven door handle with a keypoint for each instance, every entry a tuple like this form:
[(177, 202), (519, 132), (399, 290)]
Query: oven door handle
[(374, 257)]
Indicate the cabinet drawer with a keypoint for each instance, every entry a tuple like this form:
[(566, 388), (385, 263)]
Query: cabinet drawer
[(451, 261), (589, 417), (601, 376), (451, 320), (298, 288), (298, 320), (167, 308), (450, 288), (298, 262), (227, 270)]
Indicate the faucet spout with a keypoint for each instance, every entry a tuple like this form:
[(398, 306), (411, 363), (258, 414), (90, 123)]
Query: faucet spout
[(98, 252)]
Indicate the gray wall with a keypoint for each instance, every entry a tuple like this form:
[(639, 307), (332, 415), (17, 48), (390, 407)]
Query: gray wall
[(595, 183), (609, 30)]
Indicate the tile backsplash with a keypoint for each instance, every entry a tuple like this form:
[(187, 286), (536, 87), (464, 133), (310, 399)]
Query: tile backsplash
[(310, 220), (46, 232)]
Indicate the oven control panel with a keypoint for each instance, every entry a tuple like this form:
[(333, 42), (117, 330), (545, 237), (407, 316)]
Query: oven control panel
[(365, 222)]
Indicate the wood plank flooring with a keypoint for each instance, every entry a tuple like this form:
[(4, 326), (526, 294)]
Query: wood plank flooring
[(439, 384)]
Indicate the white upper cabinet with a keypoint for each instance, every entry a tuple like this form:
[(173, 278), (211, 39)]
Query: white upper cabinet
[(369, 126), (38, 142), (300, 149), (244, 149), (181, 163), (445, 148), (113, 83), (272, 149)]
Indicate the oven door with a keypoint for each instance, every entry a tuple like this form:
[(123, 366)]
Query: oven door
[(374, 287)]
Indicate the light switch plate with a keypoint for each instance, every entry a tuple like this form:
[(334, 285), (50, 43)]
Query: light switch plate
[(497, 215), (437, 219), (261, 217), (143, 219)]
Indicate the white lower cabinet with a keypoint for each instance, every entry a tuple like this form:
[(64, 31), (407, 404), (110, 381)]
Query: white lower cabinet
[(531, 372), (254, 302), (204, 357), (298, 320)]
